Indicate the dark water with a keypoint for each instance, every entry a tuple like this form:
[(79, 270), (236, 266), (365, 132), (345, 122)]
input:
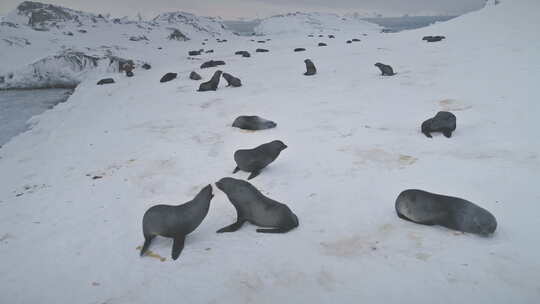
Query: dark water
[(397, 24), (17, 106)]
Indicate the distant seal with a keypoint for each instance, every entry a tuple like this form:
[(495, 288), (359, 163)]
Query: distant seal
[(355, 40), (243, 53), (212, 84), (443, 121), (299, 49), (231, 80), (256, 159), (261, 51), (194, 76), (209, 51), (331, 36), (194, 53), (386, 70), (311, 70), (252, 206), (212, 63), (261, 41), (146, 66), (349, 41), (310, 35), (253, 123), (168, 77), (105, 81), (434, 209), (433, 38), (322, 44), (176, 221)]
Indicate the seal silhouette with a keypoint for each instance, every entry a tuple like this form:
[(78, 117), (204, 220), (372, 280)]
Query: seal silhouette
[(252, 206), (256, 159), (212, 84), (168, 77), (253, 123), (194, 76), (176, 221), (443, 121), (231, 80), (427, 208), (386, 70), (310, 67)]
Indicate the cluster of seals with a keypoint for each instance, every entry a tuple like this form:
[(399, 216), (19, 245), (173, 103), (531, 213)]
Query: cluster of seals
[(386, 70), (310, 67), (253, 123), (322, 44), (194, 76), (212, 84), (261, 51), (299, 49), (433, 38), (168, 77), (443, 121), (427, 208), (105, 81), (232, 81), (243, 53), (256, 159), (212, 64), (252, 206), (176, 222)]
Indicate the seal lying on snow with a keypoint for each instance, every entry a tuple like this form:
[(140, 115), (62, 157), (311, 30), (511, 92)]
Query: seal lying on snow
[(176, 221), (212, 63), (386, 70), (212, 84), (168, 77), (443, 121), (252, 206), (434, 209), (253, 123), (256, 159)]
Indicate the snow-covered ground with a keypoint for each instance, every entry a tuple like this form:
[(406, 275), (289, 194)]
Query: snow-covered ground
[(354, 145)]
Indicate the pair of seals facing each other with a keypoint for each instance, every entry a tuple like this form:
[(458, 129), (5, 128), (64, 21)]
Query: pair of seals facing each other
[(386, 70), (213, 83), (443, 121), (176, 221), (252, 206), (310, 67), (253, 123), (256, 159), (451, 212)]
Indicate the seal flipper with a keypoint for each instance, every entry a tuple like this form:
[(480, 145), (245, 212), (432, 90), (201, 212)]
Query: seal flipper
[(178, 246), (236, 169), (254, 173), (147, 240), (232, 227), (447, 133)]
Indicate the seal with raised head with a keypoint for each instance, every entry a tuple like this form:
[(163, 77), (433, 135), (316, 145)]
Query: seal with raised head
[(231, 80), (194, 76), (256, 159), (252, 206), (386, 70), (212, 84), (311, 70), (443, 121), (253, 123), (176, 221), (427, 208)]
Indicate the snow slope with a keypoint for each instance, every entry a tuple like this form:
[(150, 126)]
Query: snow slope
[(354, 145)]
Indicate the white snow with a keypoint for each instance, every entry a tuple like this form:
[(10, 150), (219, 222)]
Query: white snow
[(354, 145)]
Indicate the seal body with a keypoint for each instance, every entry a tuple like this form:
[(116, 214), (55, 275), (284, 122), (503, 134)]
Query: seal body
[(243, 53), (176, 221), (261, 51), (212, 63), (443, 121), (299, 49), (355, 40), (212, 84), (322, 44), (194, 76), (105, 81), (256, 159), (427, 208), (252, 206), (433, 38), (194, 53), (168, 77), (310, 67), (386, 70), (253, 123), (231, 80)]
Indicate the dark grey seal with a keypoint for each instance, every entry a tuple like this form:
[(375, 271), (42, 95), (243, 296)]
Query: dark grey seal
[(427, 208), (253, 123), (243, 53), (105, 81), (322, 44), (252, 206), (433, 38), (261, 51), (386, 70), (194, 53), (212, 84), (311, 70), (299, 49), (355, 40), (168, 77), (348, 41), (212, 63), (443, 121), (176, 221), (232, 81), (256, 159), (194, 76)]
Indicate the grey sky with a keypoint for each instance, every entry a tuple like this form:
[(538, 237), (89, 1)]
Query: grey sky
[(262, 8)]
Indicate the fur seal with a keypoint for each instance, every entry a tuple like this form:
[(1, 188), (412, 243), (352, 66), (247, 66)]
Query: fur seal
[(168, 77), (386, 70), (299, 49), (433, 38), (331, 36), (194, 53), (243, 53), (443, 121), (310, 35), (194, 76), (209, 51), (261, 51), (231, 80), (146, 66), (256, 159), (322, 44), (355, 40), (253, 123), (252, 206), (427, 208), (105, 81), (176, 221), (311, 70), (212, 63), (349, 41), (212, 84)]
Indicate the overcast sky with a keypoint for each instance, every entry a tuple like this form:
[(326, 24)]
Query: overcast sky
[(230, 9)]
